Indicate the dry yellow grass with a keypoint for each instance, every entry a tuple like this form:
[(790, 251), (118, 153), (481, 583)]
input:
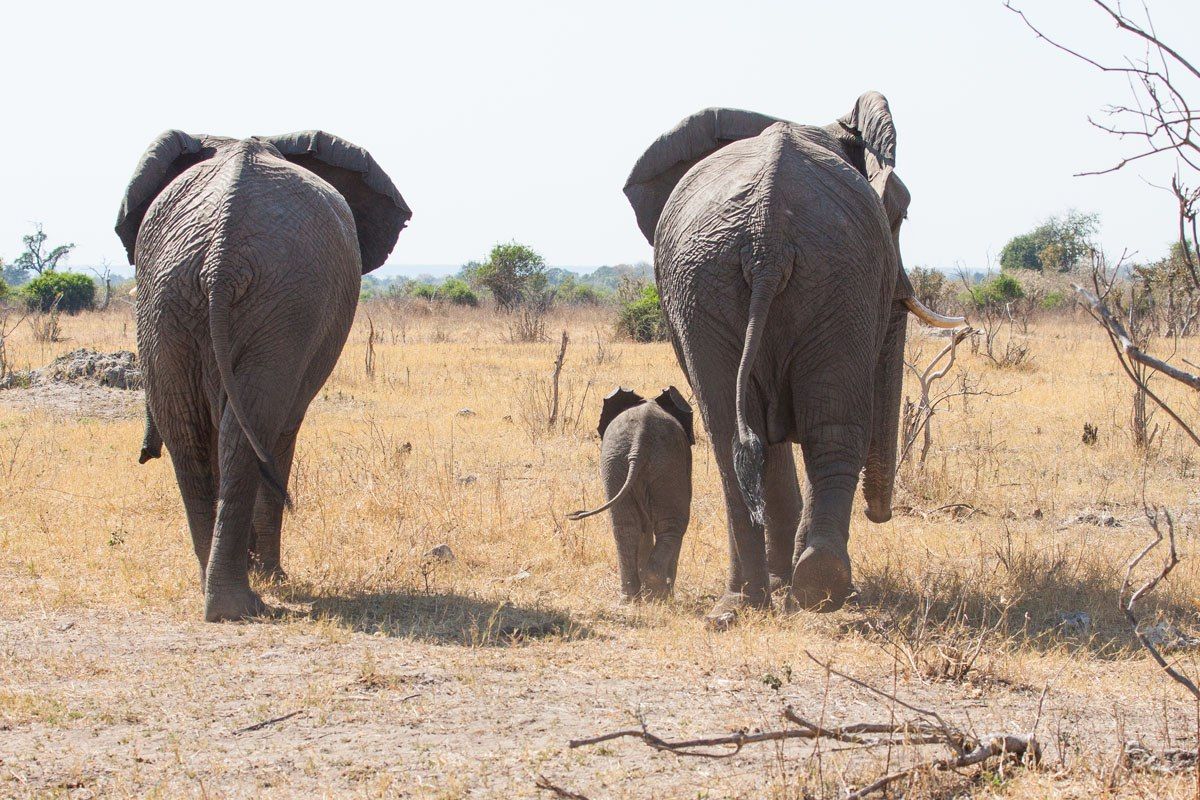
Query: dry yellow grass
[(519, 643)]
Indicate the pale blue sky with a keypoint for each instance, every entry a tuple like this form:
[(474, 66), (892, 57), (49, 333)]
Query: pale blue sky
[(520, 120)]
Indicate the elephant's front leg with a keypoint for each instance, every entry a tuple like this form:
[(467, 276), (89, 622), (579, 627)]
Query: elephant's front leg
[(268, 517), (782, 495), (748, 582), (833, 457)]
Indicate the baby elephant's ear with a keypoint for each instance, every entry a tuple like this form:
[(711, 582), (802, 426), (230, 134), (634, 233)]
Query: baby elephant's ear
[(673, 403), (618, 400)]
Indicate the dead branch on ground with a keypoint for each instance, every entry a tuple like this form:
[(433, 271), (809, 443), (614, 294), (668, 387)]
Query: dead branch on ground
[(927, 729)]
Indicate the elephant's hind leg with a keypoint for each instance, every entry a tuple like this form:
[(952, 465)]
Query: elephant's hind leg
[(227, 593), (197, 486), (833, 456), (267, 521)]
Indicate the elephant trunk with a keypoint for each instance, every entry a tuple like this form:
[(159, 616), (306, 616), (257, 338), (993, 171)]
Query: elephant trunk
[(880, 475)]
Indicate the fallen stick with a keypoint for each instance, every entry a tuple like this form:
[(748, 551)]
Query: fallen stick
[(544, 783), (258, 726), (967, 750), (1021, 746)]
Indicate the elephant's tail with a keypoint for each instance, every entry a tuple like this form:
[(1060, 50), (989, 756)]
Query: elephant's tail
[(635, 467), (748, 460), (219, 300), (151, 440)]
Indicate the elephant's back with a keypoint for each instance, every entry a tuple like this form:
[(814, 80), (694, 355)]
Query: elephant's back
[(649, 430), (257, 205), (792, 175)]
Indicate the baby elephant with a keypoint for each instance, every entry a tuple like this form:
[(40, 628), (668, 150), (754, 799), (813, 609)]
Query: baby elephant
[(646, 462)]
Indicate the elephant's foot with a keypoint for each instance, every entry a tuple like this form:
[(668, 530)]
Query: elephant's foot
[(821, 578), (724, 615), (233, 605), (777, 583)]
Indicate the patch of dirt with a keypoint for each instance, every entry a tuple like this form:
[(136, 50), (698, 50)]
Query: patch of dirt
[(124, 703), (82, 383)]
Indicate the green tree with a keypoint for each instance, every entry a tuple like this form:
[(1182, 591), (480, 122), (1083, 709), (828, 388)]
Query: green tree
[(36, 258), (1059, 244), (515, 275)]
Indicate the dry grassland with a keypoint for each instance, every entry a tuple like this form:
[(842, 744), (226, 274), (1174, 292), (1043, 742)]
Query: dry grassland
[(419, 678)]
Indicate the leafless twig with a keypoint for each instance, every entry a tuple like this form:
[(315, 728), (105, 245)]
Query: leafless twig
[(546, 785), (930, 728)]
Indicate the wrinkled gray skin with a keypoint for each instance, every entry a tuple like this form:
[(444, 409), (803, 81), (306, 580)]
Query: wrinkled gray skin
[(249, 256), (646, 463), (780, 277)]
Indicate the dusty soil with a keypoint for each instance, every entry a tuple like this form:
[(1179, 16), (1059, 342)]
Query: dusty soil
[(137, 704)]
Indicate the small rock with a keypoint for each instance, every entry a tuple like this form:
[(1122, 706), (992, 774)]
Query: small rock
[(66, 626), (1037, 513), (466, 412), (520, 576), (440, 553), (467, 480), (1099, 519), (1076, 623)]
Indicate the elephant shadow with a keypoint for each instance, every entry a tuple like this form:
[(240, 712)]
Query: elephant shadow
[(1052, 604), (440, 618)]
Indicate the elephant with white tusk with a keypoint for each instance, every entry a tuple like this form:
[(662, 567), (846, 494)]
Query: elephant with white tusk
[(776, 252)]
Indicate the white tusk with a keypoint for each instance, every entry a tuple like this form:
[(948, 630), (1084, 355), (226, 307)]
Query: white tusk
[(930, 317)]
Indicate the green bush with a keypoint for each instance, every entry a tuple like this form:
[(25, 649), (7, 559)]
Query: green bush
[(423, 291), (996, 292), (1053, 300), (77, 290), (458, 292), (641, 319), (3, 289)]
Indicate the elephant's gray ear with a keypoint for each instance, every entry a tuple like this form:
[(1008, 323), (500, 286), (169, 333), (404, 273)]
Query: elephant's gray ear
[(894, 195), (867, 134), (380, 213), (618, 400), (671, 401), (670, 157), (166, 157)]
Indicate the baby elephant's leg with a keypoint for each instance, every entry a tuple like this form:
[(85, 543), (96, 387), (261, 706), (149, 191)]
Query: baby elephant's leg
[(659, 579), (627, 530)]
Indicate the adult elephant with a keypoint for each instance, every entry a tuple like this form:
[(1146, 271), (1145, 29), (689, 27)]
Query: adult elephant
[(776, 253), (249, 255)]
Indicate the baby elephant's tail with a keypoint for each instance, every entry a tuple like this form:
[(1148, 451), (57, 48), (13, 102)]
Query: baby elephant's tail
[(635, 465)]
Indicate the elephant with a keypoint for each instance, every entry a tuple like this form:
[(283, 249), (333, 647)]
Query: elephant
[(646, 463), (249, 254), (777, 257)]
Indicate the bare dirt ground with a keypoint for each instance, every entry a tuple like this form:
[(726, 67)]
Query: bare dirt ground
[(989, 597)]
